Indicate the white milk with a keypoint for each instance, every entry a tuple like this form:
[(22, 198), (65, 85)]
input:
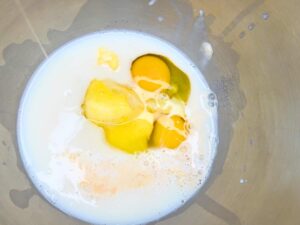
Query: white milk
[(70, 162)]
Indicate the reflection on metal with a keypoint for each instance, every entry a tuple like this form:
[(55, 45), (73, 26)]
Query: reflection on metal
[(251, 26), (265, 16), (23, 13), (21, 198), (242, 34), (216, 208), (250, 8)]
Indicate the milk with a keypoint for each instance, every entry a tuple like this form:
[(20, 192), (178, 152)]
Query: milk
[(68, 158)]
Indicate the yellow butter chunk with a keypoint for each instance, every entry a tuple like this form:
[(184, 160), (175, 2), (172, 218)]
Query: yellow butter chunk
[(108, 57), (107, 102), (131, 137)]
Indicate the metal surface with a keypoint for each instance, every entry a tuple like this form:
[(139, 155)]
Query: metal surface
[(254, 70)]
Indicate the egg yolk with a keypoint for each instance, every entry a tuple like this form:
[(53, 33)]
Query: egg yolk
[(151, 73), (169, 132), (131, 137)]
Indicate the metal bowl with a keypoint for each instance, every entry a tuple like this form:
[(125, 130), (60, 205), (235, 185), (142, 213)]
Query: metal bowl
[(247, 50)]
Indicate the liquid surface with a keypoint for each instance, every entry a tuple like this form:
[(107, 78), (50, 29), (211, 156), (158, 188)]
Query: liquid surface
[(68, 158)]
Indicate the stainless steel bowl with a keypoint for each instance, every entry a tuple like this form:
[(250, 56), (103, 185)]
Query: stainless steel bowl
[(253, 67)]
